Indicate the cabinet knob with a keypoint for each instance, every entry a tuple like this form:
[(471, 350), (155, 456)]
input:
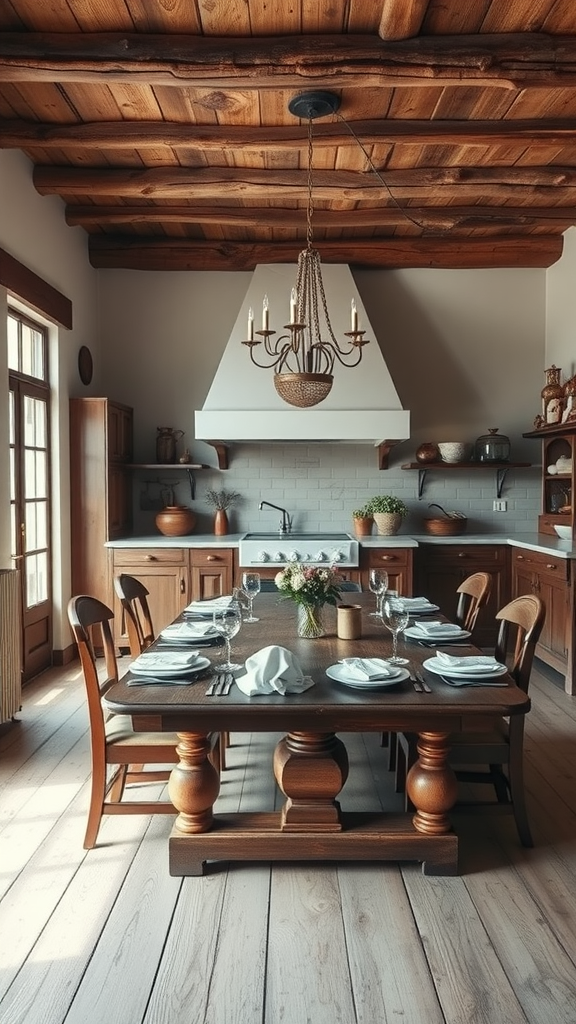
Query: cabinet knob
[(211, 558), (386, 558), (182, 586), (551, 565), (462, 554), (519, 558), (150, 558)]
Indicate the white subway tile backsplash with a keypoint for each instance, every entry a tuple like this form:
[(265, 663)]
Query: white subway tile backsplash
[(321, 485)]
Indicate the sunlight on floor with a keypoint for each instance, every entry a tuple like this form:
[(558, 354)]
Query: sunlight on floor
[(48, 697)]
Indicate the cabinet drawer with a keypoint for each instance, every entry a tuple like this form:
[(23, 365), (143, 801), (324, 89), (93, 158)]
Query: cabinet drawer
[(544, 563), (212, 557), (480, 556), (382, 558), (149, 556)]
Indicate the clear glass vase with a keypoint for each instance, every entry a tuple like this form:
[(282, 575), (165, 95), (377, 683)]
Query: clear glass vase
[(310, 620)]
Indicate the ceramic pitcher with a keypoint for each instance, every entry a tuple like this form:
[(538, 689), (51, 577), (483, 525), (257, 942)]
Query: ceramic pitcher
[(166, 440)]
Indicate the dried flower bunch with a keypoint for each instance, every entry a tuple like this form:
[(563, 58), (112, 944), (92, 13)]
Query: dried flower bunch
[(222, 499), (307, 584)]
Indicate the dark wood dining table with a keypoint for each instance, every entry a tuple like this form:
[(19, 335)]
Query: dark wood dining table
[(310, 761)]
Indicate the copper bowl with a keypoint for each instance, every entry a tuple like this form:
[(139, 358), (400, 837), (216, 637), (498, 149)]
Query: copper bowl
[(447, 527)]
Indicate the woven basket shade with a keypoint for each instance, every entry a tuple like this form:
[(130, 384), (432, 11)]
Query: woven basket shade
[(303, 389)]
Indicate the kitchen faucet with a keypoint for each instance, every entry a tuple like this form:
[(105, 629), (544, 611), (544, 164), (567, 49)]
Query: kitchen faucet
[(286, 523)]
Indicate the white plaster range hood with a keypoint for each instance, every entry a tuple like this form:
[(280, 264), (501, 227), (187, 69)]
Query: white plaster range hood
[(243, 405)]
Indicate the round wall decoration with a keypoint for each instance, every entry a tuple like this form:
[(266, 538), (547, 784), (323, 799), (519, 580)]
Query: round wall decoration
[(85, 366)]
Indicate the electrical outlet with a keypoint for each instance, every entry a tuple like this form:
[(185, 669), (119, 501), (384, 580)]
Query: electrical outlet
[(500, 505)]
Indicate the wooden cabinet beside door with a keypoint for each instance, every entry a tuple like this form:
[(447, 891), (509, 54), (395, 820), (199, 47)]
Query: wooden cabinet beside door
[(550, 579), (211, 572)]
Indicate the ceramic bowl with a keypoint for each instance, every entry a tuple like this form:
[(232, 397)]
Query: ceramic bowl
[(453, 451), (564, 532)]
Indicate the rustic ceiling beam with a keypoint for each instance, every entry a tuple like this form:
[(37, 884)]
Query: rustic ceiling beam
[(244, 183), (215, 138), (401, 19), (391, 253), (433, 217), (337, 61)]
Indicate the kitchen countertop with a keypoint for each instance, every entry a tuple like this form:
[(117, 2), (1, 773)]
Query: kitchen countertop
[(532, 541)]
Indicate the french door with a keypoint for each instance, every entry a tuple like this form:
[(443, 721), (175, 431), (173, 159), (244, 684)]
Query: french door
[(30, 507)]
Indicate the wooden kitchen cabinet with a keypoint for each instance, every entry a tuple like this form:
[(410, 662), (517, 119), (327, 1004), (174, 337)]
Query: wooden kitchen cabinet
[(166, 575), (441, 568), (100, 489), (558, 442), (212, 571), (550, 579), (397, 562)]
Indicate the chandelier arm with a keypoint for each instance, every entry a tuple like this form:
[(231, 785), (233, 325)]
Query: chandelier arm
[(282, 355)]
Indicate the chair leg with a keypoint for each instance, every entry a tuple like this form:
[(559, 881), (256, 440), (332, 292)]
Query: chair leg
[(516, 776), (392, 750), (97, 796), (116, 790)]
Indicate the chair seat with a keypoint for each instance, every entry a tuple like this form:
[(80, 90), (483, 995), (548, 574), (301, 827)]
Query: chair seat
[(119, 730)]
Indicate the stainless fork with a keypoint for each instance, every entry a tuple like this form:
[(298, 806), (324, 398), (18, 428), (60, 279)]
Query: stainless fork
[(212, 689)]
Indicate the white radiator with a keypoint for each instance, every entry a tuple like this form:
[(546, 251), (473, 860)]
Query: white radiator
[(10, 644)]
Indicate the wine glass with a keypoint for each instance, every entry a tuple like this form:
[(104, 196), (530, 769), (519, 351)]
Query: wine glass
[(378, 583), (251, 587), (227, 621), (395, 617)]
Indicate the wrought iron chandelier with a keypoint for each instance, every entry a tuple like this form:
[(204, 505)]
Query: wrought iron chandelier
[(304, 358)]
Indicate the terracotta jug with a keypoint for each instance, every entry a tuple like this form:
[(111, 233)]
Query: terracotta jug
[(220, 523), (166, 444)]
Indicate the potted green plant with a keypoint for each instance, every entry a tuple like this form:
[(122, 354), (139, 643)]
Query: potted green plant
[(363, 521), (388, 512), (221, 500)]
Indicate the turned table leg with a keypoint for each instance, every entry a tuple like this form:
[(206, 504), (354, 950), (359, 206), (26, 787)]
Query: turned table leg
[(194, 783), (432, 785), (311, 769)]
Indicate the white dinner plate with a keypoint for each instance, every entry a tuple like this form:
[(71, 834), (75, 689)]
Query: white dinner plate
[(168, 671), (418, 634), (434, 665), (338, 672), (421, 609)]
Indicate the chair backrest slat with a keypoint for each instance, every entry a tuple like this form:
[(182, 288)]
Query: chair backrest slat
[(474, 594), (133, 597), (521, 623), (90, 621)]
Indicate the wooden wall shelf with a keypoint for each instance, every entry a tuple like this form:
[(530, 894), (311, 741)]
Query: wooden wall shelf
[(168, 465), (501, 469)]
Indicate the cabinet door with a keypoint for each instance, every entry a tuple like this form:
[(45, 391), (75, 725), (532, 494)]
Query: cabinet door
[(548, 578), (441, 570), (211, 572), (397, 562), (120, 432), (119, 502), (164, 573)]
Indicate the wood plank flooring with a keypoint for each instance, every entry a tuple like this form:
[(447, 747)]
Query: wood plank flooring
[(109, 936)]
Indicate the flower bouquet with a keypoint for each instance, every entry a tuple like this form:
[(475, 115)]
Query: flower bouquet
[(310, 587)]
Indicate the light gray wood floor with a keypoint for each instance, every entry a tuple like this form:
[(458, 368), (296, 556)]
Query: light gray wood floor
[(108, 936)]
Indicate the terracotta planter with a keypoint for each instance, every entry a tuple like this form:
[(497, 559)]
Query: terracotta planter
[(220, 523), (387, 523), (175, 521), (363, 525)]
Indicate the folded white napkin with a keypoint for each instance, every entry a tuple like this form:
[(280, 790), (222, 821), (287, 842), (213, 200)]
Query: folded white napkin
[(273, 670), (187, 631), (415, 602), (474, 663), (368, 668), (208, 607), (436, 627), (162, 661)]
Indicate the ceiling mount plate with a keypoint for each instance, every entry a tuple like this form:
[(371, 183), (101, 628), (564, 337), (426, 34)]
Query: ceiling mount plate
[(313, 104)]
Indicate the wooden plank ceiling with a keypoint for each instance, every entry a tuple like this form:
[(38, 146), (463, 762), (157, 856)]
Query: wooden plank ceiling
[(164, 127)]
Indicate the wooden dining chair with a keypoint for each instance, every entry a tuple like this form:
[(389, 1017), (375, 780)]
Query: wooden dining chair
[(498, 745), (474, 594), (133, 597), (113, 741)]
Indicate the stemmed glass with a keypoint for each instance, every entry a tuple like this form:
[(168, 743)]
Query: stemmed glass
[(227, 621), (251, 587), (395, 617), (378, 583)]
